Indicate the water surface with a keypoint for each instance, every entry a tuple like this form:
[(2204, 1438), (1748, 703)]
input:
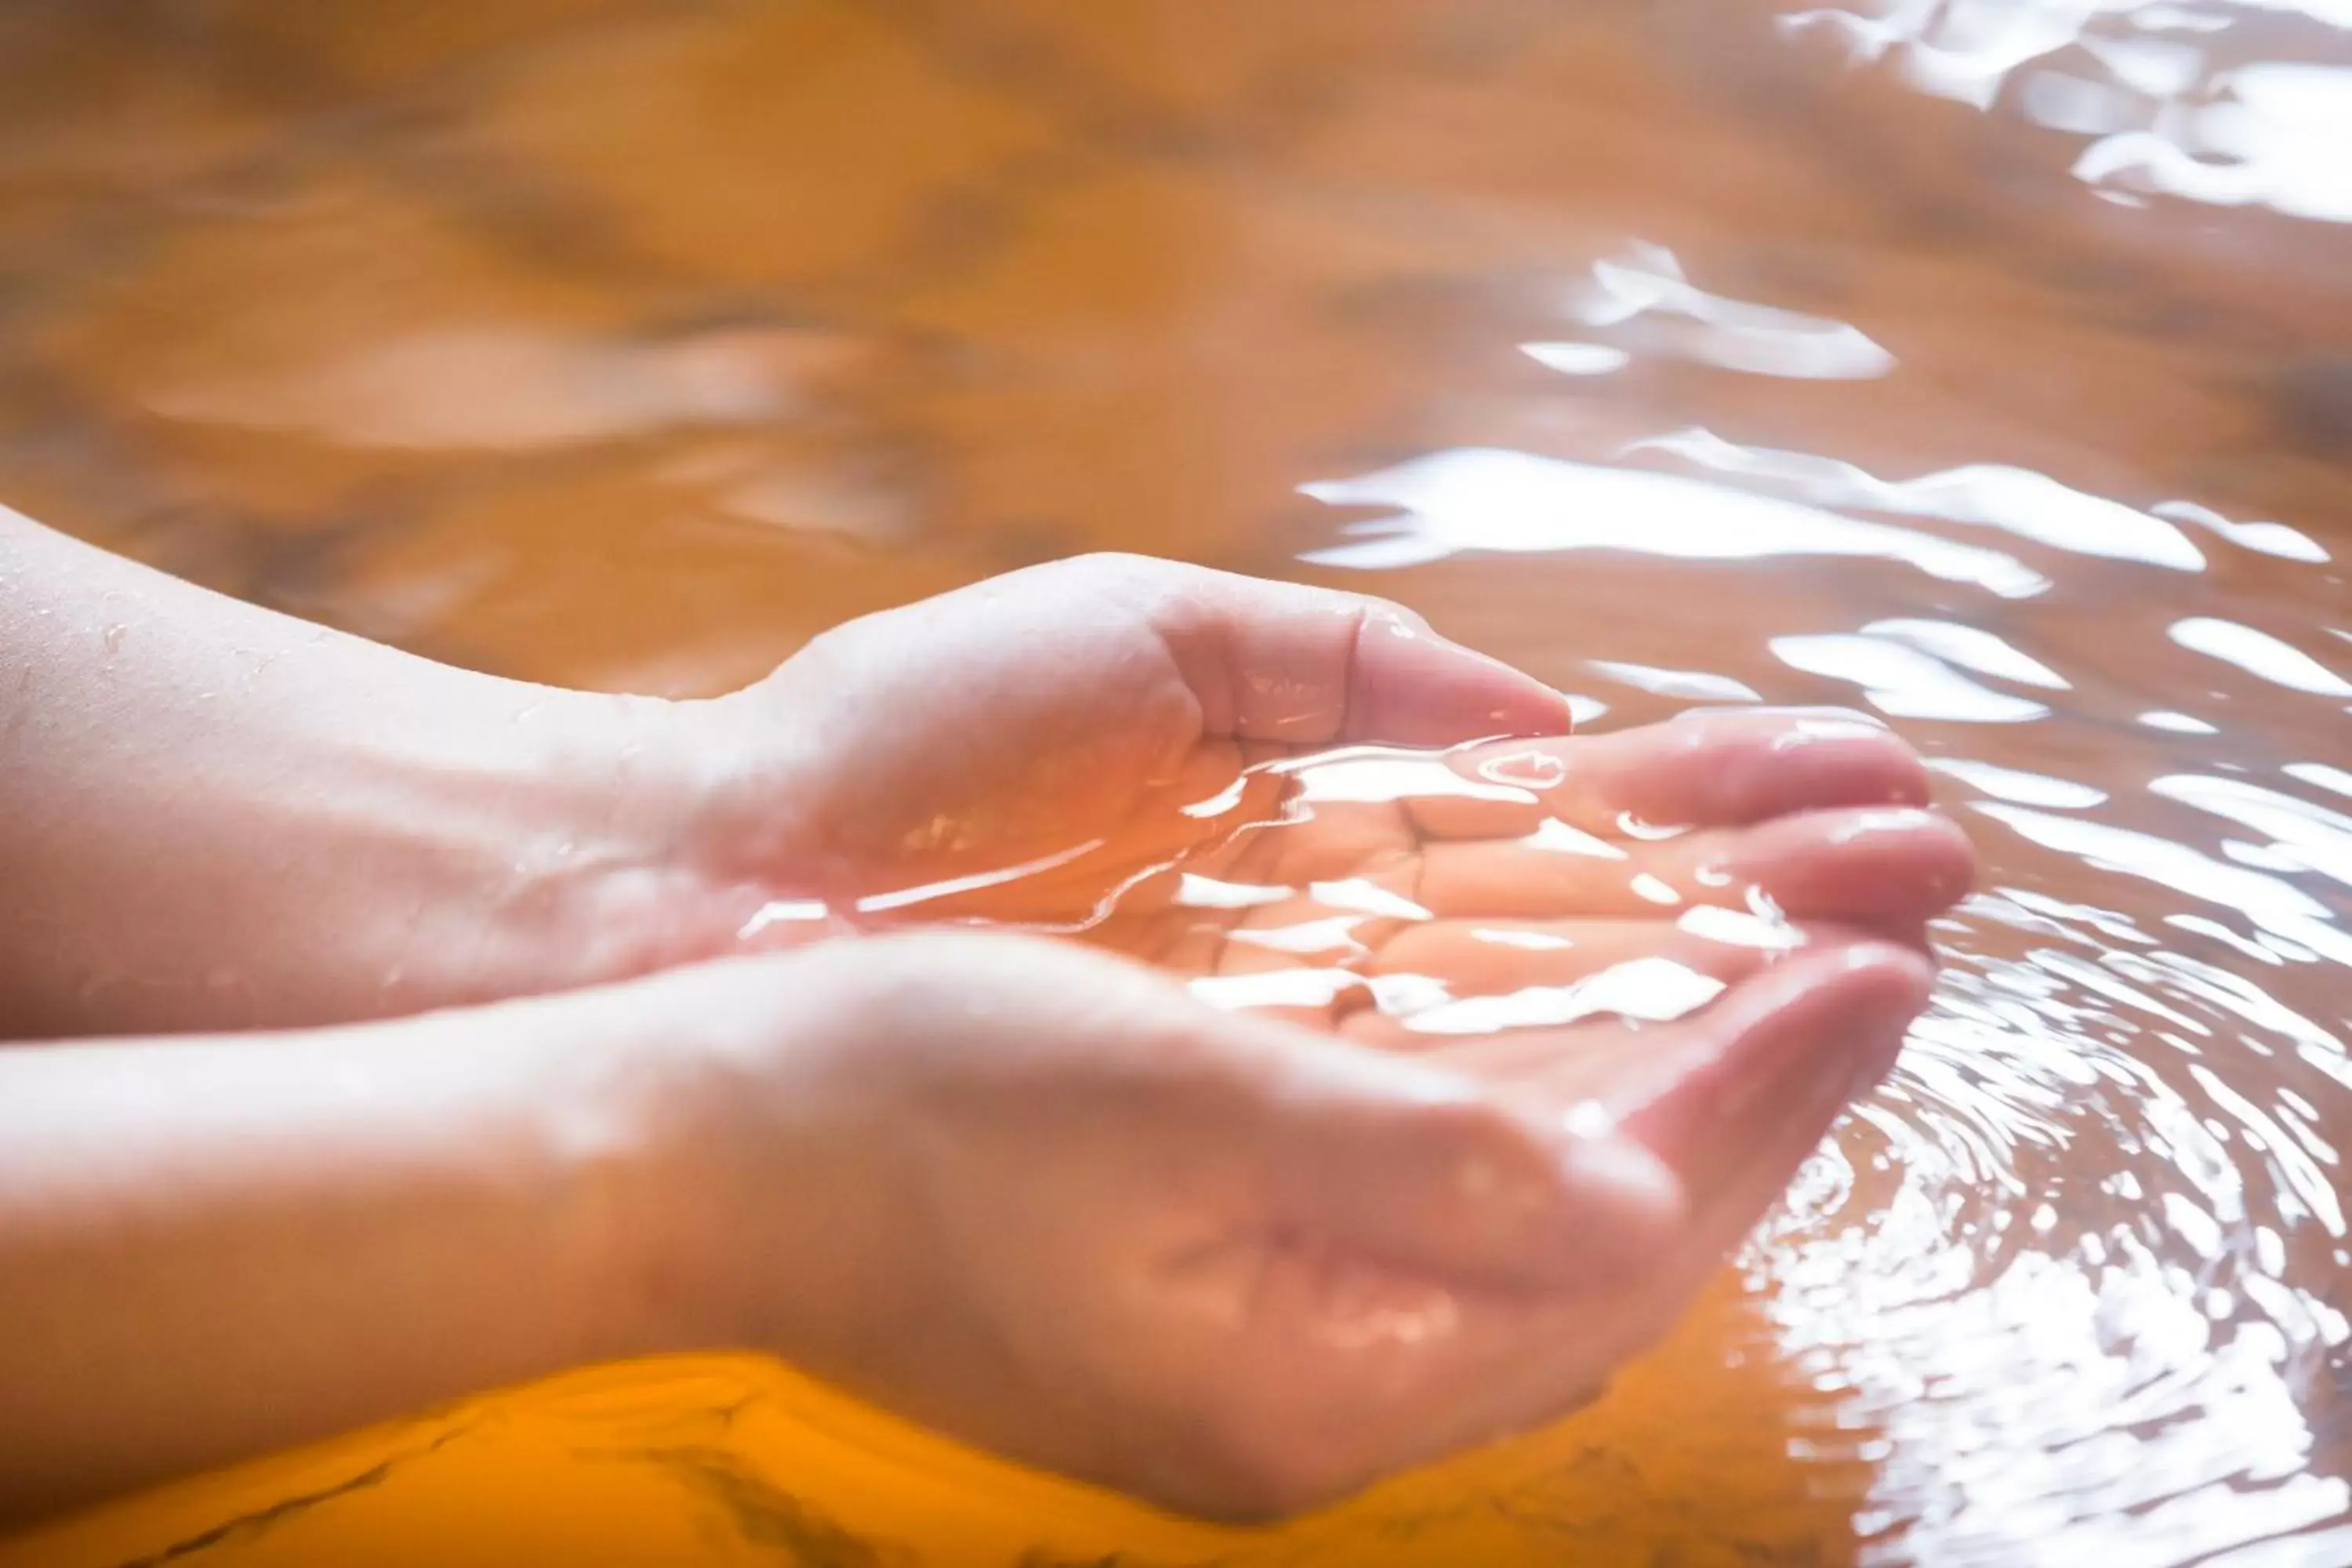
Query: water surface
[(1985, 364)]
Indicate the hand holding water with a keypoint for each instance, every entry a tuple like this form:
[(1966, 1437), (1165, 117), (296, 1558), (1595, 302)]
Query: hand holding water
[(1040, 1199), (1052, 1200), (1234, 1263)]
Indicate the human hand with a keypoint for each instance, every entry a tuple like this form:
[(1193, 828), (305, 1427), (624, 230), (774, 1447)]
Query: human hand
[(1094, 726), (236, 819), (1040, 1199)]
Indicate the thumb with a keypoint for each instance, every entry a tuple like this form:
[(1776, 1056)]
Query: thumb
[(1409, 685), (1421, 1170), (1283, 661)]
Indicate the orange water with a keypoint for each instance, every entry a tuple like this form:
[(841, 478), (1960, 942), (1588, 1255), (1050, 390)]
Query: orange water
[(1987, 361)]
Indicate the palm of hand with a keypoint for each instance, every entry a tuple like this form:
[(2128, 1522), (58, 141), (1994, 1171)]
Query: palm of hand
[(1424, 899), (1212, 773), (1037, 748), (1197, 784), (1505, 911)]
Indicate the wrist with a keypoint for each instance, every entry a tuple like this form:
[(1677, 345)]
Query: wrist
[(573, 838), (566, 839), (641, 1176), (713, 843), (760, 1206)]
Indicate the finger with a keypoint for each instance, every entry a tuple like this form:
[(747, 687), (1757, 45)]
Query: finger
[(1892, 864), (1736, 1103), (1313, 999), (1238, 912), (1510, 982), (1282, 661), (1741, 1111), (1739, 1131), (1422, 1171), (1321, 839), (1624, 1066), (1488, 958), (1300, 929), (1711, 769)]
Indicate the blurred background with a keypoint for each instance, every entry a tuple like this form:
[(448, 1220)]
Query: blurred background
[(1987, 364)]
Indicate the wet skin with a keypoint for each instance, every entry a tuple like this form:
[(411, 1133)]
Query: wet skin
[(1106, 726), (1046, 1198)]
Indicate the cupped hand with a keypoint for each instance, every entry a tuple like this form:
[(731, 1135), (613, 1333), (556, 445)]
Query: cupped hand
[(1029, 715), (1040, 1199), (1061, 748), (1222, 1255)]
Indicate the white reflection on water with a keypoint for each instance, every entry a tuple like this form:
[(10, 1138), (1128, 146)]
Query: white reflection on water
[(2272, 903), (2063, 1265), (2063, 1285), (1971, 647), (2019, 785), (1488, 498), (2269, 538), (2259, 653), (2017, 500), (1645, 299), (1652, 989), (2274, 137), (2322, 775), (2168, 110), (2178, 723), (2307, 837), (1578, 359), (1903, 681), (1697, 685)]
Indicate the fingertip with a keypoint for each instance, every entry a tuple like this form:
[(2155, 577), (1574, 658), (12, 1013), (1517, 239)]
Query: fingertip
[(1891, 964), (1867, 1000), (1781, 763), (1920, 846), (1878, 863), (1789, 1047)]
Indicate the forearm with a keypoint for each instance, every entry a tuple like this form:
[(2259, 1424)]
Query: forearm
[(214, 1247), (214, 816)]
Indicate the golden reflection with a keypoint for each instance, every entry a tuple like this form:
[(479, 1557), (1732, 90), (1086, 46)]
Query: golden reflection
[(737, 1462)]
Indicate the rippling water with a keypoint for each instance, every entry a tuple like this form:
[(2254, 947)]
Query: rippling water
[(1985, 364)]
